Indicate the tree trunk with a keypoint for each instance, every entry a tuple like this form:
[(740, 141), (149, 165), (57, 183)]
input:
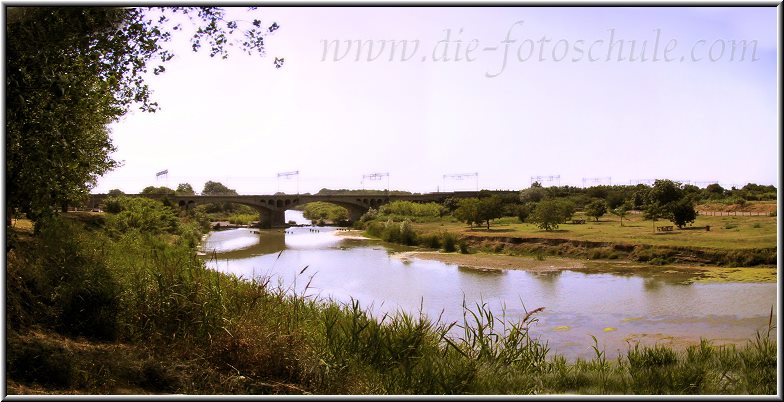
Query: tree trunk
[(488, 225)]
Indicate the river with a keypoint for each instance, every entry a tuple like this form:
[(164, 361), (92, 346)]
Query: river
[(615, 308)]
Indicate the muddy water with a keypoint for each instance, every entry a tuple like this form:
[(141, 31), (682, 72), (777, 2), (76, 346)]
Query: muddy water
[(615, 308)]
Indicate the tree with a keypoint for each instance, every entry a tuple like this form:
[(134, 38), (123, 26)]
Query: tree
[(714, 191), (621, 211), (548, 214), (490, 208), (567, 209), (116, 191), (325, 211), (596, 209), (667, 199), (468, 211), (216, 188), (158, 190), (71, 71), (639, 198), (683, 212), (655, 211), (535, 193), (524, 211), (184, 189), (665, 192)]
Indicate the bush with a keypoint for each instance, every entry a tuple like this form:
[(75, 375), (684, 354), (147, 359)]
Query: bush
[(142, 214), (449, 241), (430, 241), (391, 232), (411, 209), (407, 234)]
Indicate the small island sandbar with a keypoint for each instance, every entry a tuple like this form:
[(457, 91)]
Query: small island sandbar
[(495, 261), (351, 234)]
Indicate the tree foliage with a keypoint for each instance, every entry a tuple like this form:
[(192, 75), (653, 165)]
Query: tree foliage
[(142, 214), (468, 211), (490, 208), (596, 209), (683, 212), (668, 200), (325, 211), (548, 214), (184, 189), (411, 209), (163, 190), (217, 188), (70, 71), (621, 211), (535, 193)]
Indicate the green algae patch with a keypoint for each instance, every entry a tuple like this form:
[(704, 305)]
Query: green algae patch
[(756, 274), (631, 319), (610, 329), (562, 328)]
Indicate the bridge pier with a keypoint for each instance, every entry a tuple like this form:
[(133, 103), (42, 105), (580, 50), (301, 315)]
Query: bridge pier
[(269, 219), (354, 214)]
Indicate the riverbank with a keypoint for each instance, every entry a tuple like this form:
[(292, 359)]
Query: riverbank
[(160, 322)]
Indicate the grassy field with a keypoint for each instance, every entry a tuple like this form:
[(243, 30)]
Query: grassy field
[(726, 232)]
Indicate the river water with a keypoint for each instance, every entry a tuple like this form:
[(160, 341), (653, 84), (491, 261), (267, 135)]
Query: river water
[(618, 309)]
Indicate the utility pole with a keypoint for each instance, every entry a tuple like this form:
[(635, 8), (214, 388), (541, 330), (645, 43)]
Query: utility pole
[(550, 179), (461, 176), (288, 176), (597, 180), (375, 176)]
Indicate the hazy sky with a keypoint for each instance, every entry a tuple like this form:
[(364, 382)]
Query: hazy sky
[(563, 106)]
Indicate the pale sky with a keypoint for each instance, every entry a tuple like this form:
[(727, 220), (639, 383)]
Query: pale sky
[(241, 121)]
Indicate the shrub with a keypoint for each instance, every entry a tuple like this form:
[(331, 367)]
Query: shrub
[(407, 234), (430, 241), (371, 214), (411, 209), (144, 215), (391, 232), (449, 241)]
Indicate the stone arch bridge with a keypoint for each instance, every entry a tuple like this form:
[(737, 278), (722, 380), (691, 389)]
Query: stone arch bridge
[(272, 207)]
